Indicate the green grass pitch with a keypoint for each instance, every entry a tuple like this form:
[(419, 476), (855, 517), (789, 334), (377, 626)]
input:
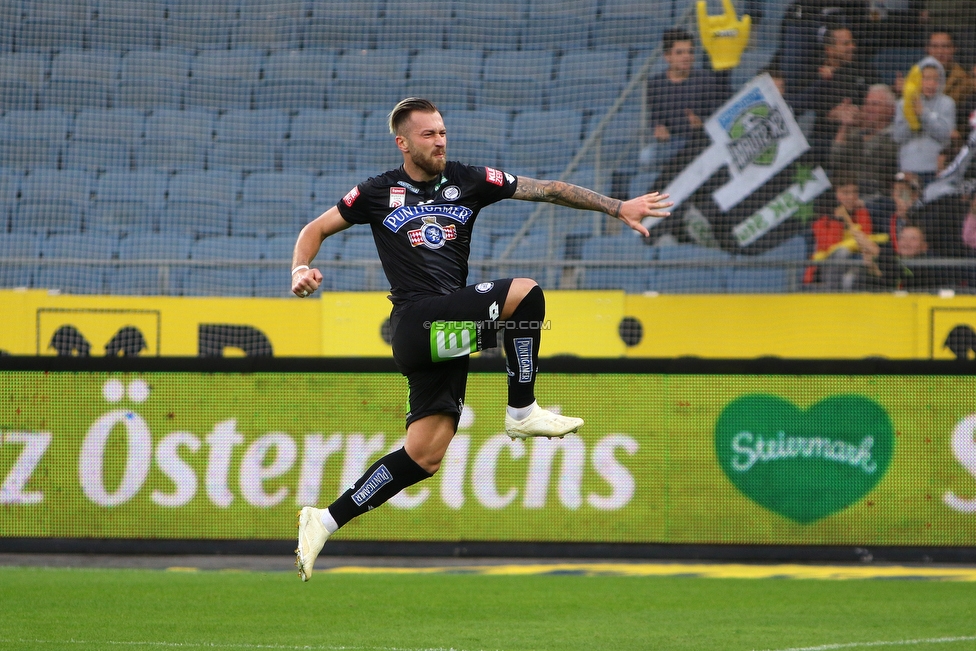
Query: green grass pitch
[(77, 610)]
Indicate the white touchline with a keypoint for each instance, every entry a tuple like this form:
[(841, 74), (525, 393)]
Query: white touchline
[(225, 645), (860, 645)]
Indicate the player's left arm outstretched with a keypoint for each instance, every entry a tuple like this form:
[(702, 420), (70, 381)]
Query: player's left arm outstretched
[(631, 212)]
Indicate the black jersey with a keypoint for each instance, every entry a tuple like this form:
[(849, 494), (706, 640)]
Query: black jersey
[(423, 230)]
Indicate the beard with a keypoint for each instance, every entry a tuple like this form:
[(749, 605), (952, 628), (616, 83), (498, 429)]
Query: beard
[(429, 164)]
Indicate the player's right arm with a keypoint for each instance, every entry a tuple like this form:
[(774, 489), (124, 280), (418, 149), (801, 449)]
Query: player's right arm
[(306, 279)]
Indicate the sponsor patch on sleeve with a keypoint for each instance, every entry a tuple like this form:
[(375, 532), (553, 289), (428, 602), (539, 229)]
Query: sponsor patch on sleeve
[(494, 176), (351, 196)]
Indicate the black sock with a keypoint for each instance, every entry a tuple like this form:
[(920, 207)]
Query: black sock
[(380, 482), (523, 333)]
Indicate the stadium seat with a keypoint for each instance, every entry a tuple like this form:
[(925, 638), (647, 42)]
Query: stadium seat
[(89, 65), (123, 34), (146, 186), (388, 64), (474, 151), (45, 35), (78, 247), (17, 96), (30, 67), (532, 257), (198, 218), (24, 246), (244, 155), (697, 270), (271, 9), (323, 139), (175, 140), (358, 249), (467, 30), (55, 185), (505, 218), (165, 277), (771, 277), (9, 189), (267, 124), (243, 65), (216, 186), (97, 154), (203, 33), (316, 155), (267, 219), (633, 275), (76, 10), (237, 281), (446, 77), (74, 94), (310, 64), (51, 124), (195, 10), (217, 94), (103, 139), (71, 279), (123, 124), (149, 94), (329, 189), (556, 32), (589, 80), (227, 247), (191, 123), (121, 218), (543, 140), (171, 64), (266, 33), (278, 186), (47, 216), (516, 80), (290, 94)]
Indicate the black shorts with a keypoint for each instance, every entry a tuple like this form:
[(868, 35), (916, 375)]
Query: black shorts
[(433, 337)]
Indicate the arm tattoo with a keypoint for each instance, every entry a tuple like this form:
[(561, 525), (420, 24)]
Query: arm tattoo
[(566, 194)]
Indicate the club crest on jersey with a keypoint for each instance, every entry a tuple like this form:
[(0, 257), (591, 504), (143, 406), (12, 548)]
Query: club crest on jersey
[(398, 196), (431, 234), (452, 192)]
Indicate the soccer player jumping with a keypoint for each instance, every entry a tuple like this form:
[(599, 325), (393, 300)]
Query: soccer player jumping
[(421, 216)]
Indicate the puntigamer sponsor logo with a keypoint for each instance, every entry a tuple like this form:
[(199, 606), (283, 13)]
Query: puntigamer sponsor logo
[(804, 464)]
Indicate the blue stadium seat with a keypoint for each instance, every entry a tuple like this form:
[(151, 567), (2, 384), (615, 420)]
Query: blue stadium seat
[(46, 216), (503, 219), (543, 140), (589, 79), (123, 124), (492, 124), (204, 33), (119, 218), (235, 281), (30, 139), (9, 188), (103, 139), (71, 279), (323, 139), (771, 277), (21, 246), (243, 65), (17, 96), (698, 270), (55, 185), (89, 65), (290, 94), (347, 25), (74, 94), (267, 33), (278, 186), (171, 154), (218, 94), (97, 154), (24, 66), (217, 186), (149, 94), (310, 64), (270, 9), (244, 155), (631, 24), (632, 278), (447, 77), (195, 10), (29, 153), (358, 246), (40, 35), (146, 186), (198, 218), (516, 79), (474, 150), (227, 247), (267, 124), (275, 281), (556, 32), (329, 189), (149, 10), (171, 64), (369, 78), (267, 219), (141, 279), (120, 34), (531, 257), (467, 30), (75, 10), (79, 247)]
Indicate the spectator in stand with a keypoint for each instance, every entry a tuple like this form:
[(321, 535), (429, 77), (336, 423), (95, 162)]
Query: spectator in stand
[(959, 84), (954, 12), (936, 114), (906, 195), (837, 93), (885, 267), (679, 101), (864, 143), (830, 233)]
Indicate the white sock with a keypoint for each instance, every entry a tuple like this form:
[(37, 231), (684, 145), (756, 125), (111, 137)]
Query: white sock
[(329, 522), (518, 413)]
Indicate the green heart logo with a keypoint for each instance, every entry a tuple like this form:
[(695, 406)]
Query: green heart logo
[(804, 465)]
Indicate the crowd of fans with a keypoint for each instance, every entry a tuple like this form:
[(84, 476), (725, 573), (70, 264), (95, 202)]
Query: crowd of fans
[(897, 153)]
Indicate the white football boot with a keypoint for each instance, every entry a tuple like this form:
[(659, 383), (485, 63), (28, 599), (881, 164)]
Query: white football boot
[(542, 422), (312, 535)]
